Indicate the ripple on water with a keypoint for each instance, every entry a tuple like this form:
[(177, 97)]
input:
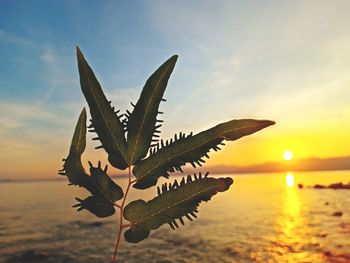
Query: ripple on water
[(247, 224)]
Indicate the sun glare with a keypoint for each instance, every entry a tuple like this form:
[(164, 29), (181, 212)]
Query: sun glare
[(290, 180), (287, 155)]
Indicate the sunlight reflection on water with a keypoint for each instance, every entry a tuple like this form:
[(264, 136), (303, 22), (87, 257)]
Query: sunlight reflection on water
[(294, 235), (295, 242), (290, 180), (260, 219)]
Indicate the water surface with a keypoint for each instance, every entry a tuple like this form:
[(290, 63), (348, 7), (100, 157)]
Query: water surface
[(260, 219)]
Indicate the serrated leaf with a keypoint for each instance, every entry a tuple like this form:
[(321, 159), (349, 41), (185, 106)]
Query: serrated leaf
[(173, 203), (105, 185), (192, 149), (72, 167), (142, 121), (105, 193), (105, 121), (96, 205)]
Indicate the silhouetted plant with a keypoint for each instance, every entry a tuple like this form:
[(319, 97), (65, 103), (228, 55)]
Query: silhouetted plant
[(132, 140)]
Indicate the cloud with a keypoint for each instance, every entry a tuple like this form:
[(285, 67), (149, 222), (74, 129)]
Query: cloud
[(34, 138), (29, 124), (17, 113), (256, 51), (10, 38), (48, 56), (121, 97), (57, 75)]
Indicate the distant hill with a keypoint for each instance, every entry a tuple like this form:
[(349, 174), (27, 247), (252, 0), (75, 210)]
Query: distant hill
[(310, 164)]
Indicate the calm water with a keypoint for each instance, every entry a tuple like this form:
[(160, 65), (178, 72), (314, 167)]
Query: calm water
[(260, 219)]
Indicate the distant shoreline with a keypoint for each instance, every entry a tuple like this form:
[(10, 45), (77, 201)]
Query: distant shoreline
[(302, 165), (243, 173)]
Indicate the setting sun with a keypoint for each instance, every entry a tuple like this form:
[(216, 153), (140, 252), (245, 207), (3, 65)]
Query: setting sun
[(290, 180), (287, 155)]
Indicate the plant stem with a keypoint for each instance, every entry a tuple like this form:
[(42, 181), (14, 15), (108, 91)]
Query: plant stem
[(121, 207)]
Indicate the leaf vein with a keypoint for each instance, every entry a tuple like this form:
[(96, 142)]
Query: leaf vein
[(174, 204), (197, 146), (102, 115), (146, 111)]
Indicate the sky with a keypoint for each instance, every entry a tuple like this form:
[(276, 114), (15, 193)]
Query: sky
[(287, 61)]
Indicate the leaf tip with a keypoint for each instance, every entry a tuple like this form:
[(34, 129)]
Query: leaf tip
[(136, 235), (80, 56), (83, 114), (229, 181), (172, 61), (225, 183), (174, 57), (269, 123), (78, 51)]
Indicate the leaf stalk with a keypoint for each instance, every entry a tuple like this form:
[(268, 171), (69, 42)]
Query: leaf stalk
[(121, 207)]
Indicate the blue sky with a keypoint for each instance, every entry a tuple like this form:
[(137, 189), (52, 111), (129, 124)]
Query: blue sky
[(288, 61)]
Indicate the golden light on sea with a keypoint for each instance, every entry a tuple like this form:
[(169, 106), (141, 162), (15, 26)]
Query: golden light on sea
[(290, 180)]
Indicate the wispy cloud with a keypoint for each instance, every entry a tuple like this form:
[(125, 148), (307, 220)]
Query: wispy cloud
[(57, 75), (33, 137), (262, 52), (17, 113), (7, 37), (48, 56)]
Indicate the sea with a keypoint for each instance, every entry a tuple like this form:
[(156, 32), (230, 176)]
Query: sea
[(262, 218)]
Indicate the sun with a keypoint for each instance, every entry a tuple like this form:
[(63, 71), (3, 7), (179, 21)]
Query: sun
[(287, 155)]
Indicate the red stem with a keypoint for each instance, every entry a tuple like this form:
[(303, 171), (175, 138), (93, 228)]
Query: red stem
[(121, 226)]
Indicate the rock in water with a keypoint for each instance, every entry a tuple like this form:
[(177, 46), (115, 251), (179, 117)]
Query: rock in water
[(319, 186), (338, 213)]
